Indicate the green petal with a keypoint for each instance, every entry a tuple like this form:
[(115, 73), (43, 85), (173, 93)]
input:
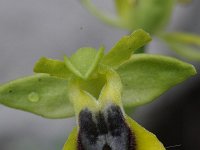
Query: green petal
[(40, 94), (53, 67), (145, 77), (145, 140), (84, 61), (124, 48), (72, 141), (184, 44)]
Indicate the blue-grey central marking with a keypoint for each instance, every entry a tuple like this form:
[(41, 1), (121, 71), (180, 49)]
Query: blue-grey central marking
[(104, 130)]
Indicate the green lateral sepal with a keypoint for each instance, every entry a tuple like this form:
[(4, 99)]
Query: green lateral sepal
[(145, 77), (40, 94)]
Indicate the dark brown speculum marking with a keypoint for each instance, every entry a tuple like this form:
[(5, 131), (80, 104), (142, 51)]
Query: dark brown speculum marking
[(104, 130)]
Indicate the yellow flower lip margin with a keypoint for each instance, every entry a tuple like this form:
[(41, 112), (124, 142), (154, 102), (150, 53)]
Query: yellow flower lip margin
[(145, 140), (110, 95)]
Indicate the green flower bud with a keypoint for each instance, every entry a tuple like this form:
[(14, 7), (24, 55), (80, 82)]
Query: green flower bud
[(151, 15)]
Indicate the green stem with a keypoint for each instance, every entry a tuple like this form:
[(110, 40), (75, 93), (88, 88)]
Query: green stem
[(102, 16)]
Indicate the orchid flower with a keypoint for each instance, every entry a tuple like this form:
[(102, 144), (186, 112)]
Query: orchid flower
[(97, 89)]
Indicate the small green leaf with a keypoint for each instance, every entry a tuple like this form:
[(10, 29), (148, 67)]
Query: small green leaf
[(145, 77), (184, 44), (40, 94), (124, 48), (84, 61), (53, 67)]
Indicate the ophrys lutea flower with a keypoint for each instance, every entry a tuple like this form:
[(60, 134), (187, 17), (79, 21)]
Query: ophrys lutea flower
[(103, 124), (97, 88)]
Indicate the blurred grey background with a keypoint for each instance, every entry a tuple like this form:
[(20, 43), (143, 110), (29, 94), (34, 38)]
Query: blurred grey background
[(30, 29)]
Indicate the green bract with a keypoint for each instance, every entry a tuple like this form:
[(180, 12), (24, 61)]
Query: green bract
[(144, 77)]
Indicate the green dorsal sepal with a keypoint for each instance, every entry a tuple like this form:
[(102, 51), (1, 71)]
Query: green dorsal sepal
[(84, 61)]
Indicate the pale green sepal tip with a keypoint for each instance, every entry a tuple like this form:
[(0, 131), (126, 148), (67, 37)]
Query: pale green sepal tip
[(40, 94), (84, 61), (145, 77), (125, 47)]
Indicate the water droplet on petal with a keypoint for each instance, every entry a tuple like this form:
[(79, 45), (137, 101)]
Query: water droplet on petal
[(33, 97)]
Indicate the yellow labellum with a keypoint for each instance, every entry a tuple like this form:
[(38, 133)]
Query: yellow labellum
[(145, 140)]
